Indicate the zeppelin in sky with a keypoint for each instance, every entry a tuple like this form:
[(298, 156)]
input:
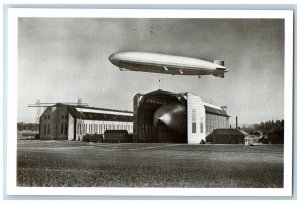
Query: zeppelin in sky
[(167, 64)]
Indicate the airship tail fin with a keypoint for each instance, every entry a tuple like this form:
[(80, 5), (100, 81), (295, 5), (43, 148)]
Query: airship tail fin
[(219, 62), (219, 75)]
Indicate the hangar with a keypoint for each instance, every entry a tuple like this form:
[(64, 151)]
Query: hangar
[(163, 116), (70, 122)]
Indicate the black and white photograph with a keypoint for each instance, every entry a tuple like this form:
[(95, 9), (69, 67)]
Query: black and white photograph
[(160, 101)]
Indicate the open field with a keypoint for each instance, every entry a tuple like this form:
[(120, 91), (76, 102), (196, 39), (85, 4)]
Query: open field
[(71, 163)]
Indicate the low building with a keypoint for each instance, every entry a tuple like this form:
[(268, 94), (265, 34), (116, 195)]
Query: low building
[(227, 136), (117, 136), (70, 122)]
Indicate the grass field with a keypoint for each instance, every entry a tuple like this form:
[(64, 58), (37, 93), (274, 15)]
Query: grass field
[(71, 163)]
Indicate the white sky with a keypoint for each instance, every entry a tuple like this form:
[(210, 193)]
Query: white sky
[(61, 59)]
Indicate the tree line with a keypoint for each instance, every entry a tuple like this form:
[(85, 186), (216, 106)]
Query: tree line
[(27, 126), (264, 127)]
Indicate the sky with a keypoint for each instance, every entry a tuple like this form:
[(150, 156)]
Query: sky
[(63, 59)]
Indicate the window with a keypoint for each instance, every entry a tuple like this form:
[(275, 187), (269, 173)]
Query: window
[(48, 128), (193, 127), (201, 124), (45, 129), (66, 129), (194, 130), (66, 117), (49, 117), (61, 129), (62, 117), (78, 128), (45, 116)]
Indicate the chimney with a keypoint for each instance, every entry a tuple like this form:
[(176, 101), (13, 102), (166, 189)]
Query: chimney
[(236, 122)]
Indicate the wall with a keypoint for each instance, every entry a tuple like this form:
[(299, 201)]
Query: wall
[(51, 117), (228, 139), (71, 128), (215, 122), (194, 104), (136, 100), (99, 127), (45, 121), (60, 125)]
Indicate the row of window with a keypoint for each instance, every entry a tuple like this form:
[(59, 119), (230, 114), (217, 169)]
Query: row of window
[(47, 117), (61, 117), (215, 121), (63, 129), (64, 117), (46, 129), (194, 125), (88, 128), (100, 128)]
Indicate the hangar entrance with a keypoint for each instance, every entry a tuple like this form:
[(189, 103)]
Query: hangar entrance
[(149, 131)]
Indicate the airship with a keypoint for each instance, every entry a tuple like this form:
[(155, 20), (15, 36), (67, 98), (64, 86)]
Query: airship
[(172, 115), (167, 64)]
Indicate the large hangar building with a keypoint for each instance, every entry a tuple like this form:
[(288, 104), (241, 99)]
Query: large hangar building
[(162, 116), (69, 122)]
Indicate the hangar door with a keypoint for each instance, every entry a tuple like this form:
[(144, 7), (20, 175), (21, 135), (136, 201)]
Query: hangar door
[(161, 117)]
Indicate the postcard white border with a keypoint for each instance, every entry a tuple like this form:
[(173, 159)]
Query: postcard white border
[(14, 13)]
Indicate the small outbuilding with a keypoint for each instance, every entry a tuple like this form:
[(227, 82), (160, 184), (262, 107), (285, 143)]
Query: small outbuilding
[(227, 136), (117, 136)]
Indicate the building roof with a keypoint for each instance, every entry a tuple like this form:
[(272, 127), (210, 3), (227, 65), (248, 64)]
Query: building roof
[(217, 111), (92, 113), (93, 108), (209, 108), (229, 132)]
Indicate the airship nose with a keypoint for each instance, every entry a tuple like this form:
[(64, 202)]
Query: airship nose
[(112, 58), (165, 118)]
